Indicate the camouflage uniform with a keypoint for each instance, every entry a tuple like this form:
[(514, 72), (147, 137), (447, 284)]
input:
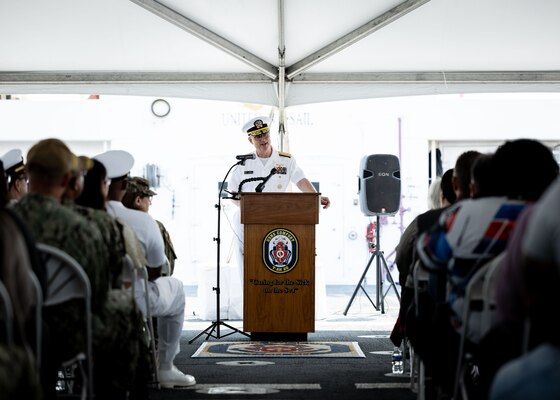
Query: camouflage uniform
[(51, 223), (112, 238), (54, 224), (119, 337), (169, 250)]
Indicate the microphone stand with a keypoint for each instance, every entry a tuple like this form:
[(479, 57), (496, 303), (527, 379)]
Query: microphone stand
[(215, 326)]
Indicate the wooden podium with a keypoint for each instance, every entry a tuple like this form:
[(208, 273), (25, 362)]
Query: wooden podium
[(279, 262)]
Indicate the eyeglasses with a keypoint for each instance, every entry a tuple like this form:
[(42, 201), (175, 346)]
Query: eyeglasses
[(262, 135)]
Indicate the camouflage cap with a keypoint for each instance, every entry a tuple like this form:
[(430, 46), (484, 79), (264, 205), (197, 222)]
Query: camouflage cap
[(139, 185), (53, 156)]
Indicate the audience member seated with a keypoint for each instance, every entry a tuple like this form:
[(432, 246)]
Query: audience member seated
[(50, 164), (472, 232), (18, 374), (536, 373), (405, 254), (118, 344), (167, 297), (454, 185), (14, 168), (139, 197)]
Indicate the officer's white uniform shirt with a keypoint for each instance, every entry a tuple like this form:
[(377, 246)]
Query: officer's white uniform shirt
[(286, 167), (145, 228)]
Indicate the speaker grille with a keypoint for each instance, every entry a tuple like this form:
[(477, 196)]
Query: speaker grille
[(380, 184)]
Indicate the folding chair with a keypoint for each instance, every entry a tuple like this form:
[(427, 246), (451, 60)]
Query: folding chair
[(66, 280), (478, 310), (138, 275), (38, 292), (6, 315), (420, 277)]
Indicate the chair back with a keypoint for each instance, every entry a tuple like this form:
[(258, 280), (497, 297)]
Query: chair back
[(135, 278), (67, 280), (38, 298), (6, 315), (489, 293), (420, 278), (478, 314)]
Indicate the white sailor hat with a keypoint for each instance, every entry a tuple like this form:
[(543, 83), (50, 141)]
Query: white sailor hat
[(13, 162), (257, 126), (118, 163)]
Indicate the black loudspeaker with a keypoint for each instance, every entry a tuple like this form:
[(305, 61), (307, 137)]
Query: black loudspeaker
[(380, 184)]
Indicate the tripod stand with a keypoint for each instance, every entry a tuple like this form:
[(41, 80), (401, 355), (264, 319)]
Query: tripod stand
[(380, 296), (215, 326)]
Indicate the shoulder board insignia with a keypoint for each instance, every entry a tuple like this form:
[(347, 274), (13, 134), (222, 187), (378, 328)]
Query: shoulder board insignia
[(283, 154)]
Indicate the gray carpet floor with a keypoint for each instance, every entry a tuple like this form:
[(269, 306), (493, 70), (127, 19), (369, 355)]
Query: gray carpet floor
[(293, 378), (299, 378)]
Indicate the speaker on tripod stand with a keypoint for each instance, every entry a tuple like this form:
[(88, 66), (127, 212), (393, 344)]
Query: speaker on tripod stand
[(380, 185), (380, 194)]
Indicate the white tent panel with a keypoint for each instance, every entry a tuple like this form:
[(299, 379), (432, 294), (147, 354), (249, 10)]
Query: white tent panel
[(456, 35), (101, 35), (229, 49)]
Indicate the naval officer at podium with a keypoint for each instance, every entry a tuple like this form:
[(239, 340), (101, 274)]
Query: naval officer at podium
[(278, 168)]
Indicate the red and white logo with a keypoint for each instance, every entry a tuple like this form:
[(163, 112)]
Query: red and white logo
[(280, 250)]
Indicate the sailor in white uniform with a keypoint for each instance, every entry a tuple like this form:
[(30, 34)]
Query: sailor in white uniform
[(166, 293), (14, 168), (283, 170)]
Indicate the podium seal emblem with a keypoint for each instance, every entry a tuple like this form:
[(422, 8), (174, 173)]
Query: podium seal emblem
[(280, 250)]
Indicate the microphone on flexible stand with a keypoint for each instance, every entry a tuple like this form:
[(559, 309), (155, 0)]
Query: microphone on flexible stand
[(244, 157), (260, 186)]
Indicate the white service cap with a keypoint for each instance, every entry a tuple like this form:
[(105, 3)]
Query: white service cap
[(118, 163), (257, 126), (12, 158)]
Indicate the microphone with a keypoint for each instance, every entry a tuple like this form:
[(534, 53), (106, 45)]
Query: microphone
[(260, 186), (244, 157)]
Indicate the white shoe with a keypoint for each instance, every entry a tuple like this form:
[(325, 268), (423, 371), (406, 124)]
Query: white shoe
[(171, 378)]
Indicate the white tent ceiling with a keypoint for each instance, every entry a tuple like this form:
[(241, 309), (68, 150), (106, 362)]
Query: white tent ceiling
[(279, 52)]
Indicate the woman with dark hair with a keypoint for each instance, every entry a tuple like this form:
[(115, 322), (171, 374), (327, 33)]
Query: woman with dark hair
[(96, 187), (117, 372)]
